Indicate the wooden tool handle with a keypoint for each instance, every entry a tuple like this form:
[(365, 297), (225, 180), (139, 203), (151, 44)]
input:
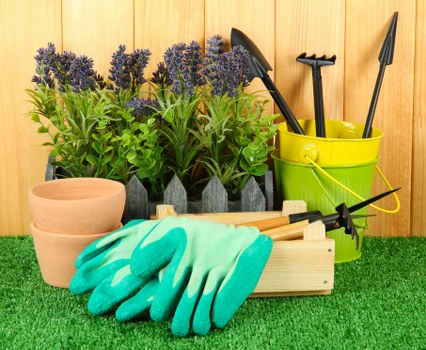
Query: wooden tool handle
[(268, 224), (287, 232)]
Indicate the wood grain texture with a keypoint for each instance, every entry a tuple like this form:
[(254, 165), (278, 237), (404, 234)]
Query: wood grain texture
[(366, 25), (24, 26), (160, 24), (255, 18), (282, 29), (314, 27), (96, 28), (418, 212)]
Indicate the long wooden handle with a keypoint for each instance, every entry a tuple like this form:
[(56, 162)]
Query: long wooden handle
[(287, 232), (267, 224)]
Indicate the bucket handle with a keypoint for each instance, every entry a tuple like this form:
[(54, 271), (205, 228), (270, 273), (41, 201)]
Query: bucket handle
[(387, 211)]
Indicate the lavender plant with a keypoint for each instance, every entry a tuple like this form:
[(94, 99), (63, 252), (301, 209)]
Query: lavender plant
[(197, 119), (86, 119)]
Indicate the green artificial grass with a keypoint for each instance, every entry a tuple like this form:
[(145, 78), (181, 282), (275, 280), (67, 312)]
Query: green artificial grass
[(378, 302)]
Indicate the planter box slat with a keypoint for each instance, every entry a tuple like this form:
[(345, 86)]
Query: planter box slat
[(136, 200), (214, 197), (252, 198)]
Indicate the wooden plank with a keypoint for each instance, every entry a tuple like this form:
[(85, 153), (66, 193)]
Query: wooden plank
[(25, 26), (160, 24), (311, 26), (366, 25), (418, 200), (96, 28), (296, 266), (253, 17)]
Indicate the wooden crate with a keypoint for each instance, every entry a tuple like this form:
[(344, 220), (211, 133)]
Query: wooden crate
[(303, 266)]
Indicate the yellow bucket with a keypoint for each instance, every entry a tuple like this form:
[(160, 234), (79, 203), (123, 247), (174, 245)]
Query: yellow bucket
[(342, 146), (328, 171)]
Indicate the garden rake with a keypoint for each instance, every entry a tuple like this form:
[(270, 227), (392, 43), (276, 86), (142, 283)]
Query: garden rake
[(316, 63)]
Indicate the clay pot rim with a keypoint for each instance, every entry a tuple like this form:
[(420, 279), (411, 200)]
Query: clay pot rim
[(70, 235), (114, 189)]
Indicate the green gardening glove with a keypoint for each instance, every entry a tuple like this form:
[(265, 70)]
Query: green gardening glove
[(211, 269), (103, 269)]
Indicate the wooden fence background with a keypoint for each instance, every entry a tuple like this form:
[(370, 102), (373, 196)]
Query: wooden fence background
[(351, 29)]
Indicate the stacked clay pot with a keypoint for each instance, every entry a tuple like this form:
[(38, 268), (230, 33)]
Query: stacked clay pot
[(68, 215)]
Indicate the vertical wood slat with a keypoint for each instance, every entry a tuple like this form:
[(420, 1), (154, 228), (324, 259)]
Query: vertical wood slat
[(366, 25), (252, 198), (162, 23), (214, 197), (418, 207), (175, 194), (29, 25), (136, 201), (95, 28), (25, 26), (314, 27)]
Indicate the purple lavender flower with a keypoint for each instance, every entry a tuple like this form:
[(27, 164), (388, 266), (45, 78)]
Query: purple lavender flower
[(226, 71), (143, 107), (81, 74), (138, 60), (120, 70), (45, 61), (183, 65), (62, 67), (161, 76), (194, 59)]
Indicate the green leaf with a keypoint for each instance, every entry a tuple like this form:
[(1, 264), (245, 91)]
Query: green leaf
[(92, 159), (43, 130)]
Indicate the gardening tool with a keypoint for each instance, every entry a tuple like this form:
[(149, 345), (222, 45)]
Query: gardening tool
[(259, 67), (316, 63), (385, 59), (341, 218)]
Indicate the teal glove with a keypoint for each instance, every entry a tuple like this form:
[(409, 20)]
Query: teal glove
[(211, 269), (103, 267)]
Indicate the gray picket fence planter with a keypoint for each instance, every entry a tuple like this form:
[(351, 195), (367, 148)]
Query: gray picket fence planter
[(214, 197)]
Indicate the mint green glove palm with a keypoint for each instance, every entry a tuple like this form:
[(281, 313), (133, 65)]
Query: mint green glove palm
[(103, 268), (211, 269)]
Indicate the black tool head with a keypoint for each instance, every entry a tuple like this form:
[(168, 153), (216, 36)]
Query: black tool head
[(314, 60), (371, 200), (345, 220), (259, 66), (386, 53)]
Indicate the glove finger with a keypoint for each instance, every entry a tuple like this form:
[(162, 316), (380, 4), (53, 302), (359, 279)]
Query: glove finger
[(149, 259), (201, 323), (139, 303), (241, 280), (99, 246), (181, 324), (94, 272), (112, 291), (172, 285)]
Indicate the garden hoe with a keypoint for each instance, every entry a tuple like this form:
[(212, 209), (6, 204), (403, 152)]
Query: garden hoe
[(342, 218), (385, 59), (259, 67), (316, 63)]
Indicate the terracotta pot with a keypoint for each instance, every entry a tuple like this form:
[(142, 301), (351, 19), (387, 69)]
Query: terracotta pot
[(77, 205), (57, 252)]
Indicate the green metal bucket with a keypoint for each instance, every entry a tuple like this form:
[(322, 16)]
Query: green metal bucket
[(310, 183)]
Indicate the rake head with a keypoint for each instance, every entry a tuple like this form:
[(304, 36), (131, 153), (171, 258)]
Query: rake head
[(314, 60), (345, 220)]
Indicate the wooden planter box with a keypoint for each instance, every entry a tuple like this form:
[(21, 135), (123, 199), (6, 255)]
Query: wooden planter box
[(255, 196), (303, 266)]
